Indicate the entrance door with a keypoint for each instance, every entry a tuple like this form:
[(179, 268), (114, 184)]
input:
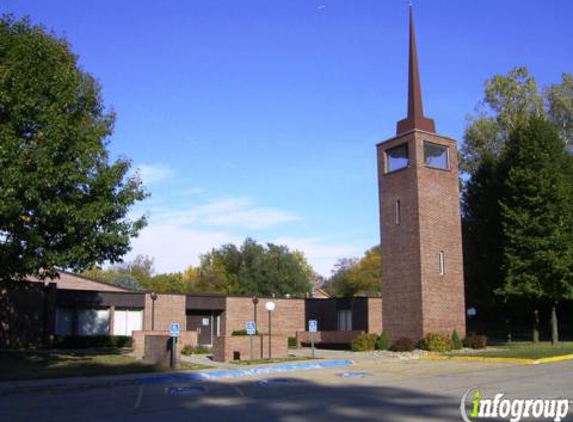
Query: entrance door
[(203, 324)]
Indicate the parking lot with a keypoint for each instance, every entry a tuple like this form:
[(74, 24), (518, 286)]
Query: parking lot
[(370, 390)]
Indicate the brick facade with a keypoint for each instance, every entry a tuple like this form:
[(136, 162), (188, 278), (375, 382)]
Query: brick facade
[(417, 299), (327, 337), (227, 348), (186, 338), (286, 319), (375, 315), (168, 308)]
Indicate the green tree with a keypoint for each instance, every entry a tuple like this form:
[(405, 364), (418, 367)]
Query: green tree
[(63, 204), (483, 237), (253, 269), (169, 283), (139, 271), (509, 102), (537, 216), (353, 276)]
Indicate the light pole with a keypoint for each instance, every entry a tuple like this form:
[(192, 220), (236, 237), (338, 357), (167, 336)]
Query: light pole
[(270, 307), (255, 302), (153, 296)]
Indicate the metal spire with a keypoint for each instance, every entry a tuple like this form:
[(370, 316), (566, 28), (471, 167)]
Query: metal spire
[(415, 118)]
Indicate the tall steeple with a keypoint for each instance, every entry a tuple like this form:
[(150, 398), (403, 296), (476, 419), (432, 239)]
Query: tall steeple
[(415, 118)]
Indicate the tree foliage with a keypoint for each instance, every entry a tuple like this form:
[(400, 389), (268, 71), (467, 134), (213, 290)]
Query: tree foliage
[(508, 103), (537, 214), (354, 276), (63, 204), (254, 269)]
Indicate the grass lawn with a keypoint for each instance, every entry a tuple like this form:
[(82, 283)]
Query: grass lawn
[(527, 350), (273, 360), (40, 365)]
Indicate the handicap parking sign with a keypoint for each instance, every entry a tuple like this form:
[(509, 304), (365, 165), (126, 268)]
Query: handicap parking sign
[(313, 325), (251, 328), (174, 329)]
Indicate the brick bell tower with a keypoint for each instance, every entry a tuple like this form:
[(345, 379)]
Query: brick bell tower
[(420, 223)]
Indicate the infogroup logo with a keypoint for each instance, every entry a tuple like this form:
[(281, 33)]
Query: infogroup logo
[(513, 410)]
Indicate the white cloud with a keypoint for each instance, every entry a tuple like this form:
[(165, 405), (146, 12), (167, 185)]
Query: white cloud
[(192, 191), (155, 173), (174, 248), (238, 213)]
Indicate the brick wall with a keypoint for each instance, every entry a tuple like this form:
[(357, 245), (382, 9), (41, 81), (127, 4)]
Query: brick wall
[(327, 337), (185, 338), (375, 315), (226, 348), (417, 300), (443, 306), (168, 308), (286, 319)]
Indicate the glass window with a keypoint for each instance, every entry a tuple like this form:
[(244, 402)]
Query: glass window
[(64, 321), (436, 155), (397, 158), (442, 263), (345, 320), (93, 322)]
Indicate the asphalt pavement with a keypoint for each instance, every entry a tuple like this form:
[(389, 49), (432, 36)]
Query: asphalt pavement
[(372, 389)]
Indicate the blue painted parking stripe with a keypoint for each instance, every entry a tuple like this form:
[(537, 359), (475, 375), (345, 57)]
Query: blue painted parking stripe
[(233, 373)]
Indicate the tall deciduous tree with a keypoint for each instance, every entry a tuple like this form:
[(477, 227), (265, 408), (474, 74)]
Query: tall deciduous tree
[(357, 276), (537, 216), (254, 269), (63, 204), (509, 102)]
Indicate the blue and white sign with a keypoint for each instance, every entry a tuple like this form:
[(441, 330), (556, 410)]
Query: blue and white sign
[(251, 328), (312, 325), (174, 329)]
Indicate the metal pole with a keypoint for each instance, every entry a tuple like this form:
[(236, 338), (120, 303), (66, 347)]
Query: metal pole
[(174, 353), (152, 315), (251, 347), (312, 342), (270, 339)]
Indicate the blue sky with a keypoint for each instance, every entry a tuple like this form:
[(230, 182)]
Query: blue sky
[(260, 118)]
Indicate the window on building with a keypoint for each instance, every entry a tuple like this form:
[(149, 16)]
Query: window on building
[(398, 212), (345, 320), (442, 261), (64, 321), (436, 155), (397, 158), (125, 321), (93, 322)]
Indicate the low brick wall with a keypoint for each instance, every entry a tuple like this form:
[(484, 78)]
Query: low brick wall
[(185, 338), (327, 337), (228, 348), (158, 350)]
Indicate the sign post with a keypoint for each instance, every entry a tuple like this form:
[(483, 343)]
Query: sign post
[(251, 330), (174, 330), (312, 328)]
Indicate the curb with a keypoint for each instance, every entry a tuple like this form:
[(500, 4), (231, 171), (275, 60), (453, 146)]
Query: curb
[(73, 384), (520, 361)]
